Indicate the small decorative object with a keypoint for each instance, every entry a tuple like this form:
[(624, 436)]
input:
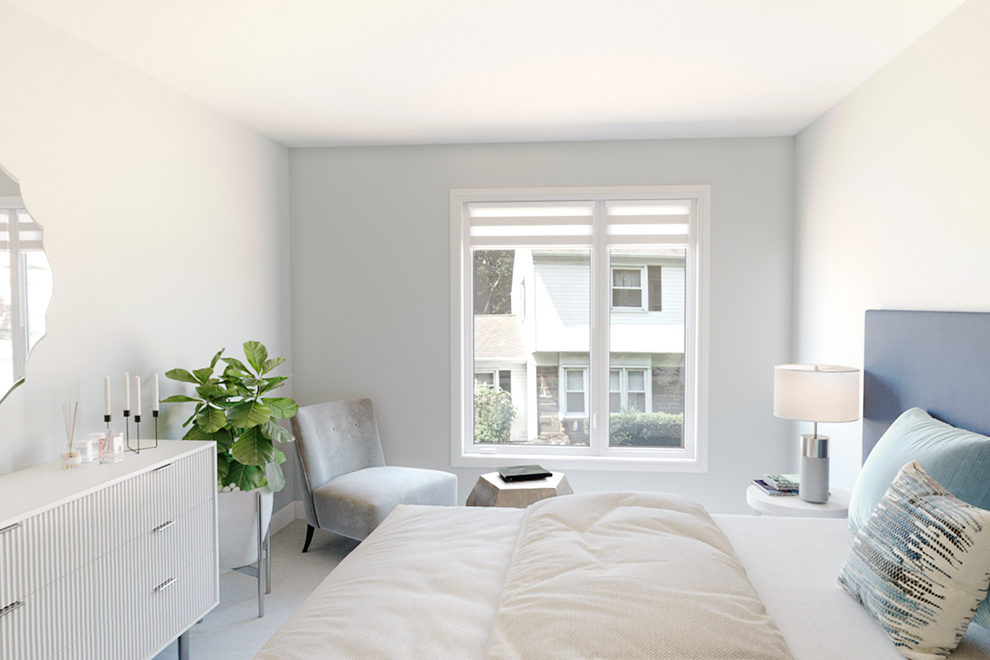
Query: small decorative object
[(815, 393), (70, 458), (111, 447), (89, 447)]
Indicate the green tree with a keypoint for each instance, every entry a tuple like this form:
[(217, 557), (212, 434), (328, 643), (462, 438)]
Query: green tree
[(493, 413), (493, 281)]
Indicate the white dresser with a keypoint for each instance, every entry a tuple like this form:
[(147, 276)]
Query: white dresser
[(108, 562)]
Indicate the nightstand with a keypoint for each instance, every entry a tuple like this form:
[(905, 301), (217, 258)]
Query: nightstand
[(492, 491), (792, 505)]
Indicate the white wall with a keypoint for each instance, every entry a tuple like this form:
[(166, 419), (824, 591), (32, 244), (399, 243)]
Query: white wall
[(892, 203), (165, 224), (370, 286)]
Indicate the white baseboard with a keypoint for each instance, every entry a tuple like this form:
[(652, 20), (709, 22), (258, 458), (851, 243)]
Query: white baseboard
[(285, 515)]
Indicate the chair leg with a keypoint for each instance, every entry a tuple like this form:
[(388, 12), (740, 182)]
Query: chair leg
[(309, 537)]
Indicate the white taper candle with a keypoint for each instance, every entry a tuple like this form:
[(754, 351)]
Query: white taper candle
[(106, 396), (127, 391), (137, 396), (154, 390)]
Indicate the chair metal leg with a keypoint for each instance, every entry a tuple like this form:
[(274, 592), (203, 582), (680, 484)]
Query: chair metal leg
[(309, 537)]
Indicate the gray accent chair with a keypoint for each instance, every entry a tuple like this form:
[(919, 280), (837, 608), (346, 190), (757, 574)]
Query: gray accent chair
[(347, 488)]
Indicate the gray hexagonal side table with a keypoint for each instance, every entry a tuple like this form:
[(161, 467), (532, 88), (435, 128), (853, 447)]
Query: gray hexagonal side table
[(492, 491)]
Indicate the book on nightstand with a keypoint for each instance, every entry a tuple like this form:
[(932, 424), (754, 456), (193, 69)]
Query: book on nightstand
[(523, 473), (770, 490), (782, 481)]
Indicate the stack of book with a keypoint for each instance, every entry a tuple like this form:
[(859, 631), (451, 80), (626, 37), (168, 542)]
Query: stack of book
[(778, 484)]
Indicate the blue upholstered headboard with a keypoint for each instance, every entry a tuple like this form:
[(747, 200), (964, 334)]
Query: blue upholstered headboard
[(937, 361)]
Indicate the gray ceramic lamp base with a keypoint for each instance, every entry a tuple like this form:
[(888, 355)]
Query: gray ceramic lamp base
[(814, 469)]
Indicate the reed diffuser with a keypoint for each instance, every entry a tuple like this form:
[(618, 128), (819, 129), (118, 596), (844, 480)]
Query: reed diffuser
[(71, 458)]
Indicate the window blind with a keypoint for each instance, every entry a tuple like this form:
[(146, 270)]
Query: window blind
[(29, 234), (539, 223), (657, 222)]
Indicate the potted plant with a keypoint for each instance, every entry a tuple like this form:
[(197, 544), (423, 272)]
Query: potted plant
[(235, 409)]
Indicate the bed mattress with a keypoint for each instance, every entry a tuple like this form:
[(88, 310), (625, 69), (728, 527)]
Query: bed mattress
[(429, 583)]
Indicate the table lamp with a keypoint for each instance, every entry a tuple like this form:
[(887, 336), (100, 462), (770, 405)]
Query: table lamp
[(815, 393)]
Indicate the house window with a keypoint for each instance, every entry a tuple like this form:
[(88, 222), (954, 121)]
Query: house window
[(627, 288), (500, 377), (629, 390), (575, 392), (543, 283)]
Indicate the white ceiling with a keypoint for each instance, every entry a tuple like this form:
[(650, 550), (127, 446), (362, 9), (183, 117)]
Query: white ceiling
[(348, 72)]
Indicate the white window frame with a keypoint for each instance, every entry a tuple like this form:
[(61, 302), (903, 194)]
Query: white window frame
[(693, 456), (643, 291)]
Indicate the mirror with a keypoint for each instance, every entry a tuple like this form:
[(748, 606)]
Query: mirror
[(25, 285)]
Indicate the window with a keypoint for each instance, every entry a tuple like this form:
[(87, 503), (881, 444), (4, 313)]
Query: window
[(587, 309)]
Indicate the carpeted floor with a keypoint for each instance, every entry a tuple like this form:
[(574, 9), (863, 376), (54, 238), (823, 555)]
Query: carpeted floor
[(233, 630)]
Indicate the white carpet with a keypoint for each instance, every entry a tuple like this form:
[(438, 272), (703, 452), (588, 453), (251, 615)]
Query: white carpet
[(233, 630)]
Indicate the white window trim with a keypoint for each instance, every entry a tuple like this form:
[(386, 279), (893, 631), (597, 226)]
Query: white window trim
[(694, 456), (624, 385), (562, 391)]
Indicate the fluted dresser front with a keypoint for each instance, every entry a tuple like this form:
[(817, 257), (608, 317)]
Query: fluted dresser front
[(109, 561)]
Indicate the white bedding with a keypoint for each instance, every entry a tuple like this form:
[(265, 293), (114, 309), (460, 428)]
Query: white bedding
[(429, 583)]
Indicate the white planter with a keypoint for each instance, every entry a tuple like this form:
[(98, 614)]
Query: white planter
[(238, 525)]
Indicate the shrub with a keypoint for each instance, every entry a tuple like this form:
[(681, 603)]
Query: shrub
[(493, 413), (631, 428)]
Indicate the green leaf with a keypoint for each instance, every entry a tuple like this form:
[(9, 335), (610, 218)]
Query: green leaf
[(276, 480), (233, 364), (274, 432), (224, 439), (252, 448), (196, 433), (279, 456), (249, 413), (180, 398), (270, 364), (210, 391), (203, 375), (272, 383), (211, 419), (223, 466), (256, 354), (282, 407), (216, 358), (181, 375), (245, 477)]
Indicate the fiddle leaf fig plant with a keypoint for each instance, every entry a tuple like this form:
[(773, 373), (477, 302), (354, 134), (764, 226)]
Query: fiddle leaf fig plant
[(232, 409)]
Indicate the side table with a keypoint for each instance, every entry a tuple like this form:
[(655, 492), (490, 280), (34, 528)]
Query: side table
[(492, 491), (792, 505)]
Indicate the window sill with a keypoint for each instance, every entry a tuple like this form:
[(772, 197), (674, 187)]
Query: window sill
[(595, 463)]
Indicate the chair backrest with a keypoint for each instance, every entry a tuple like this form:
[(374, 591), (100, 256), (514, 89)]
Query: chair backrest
[(336, 438)]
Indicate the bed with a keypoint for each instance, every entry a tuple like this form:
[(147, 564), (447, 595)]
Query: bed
[(640, 575)]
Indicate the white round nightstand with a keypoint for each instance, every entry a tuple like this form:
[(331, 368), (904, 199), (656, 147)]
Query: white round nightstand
[(792, 505)]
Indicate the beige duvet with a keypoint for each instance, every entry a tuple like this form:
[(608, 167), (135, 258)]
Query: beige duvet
[(607, 575)]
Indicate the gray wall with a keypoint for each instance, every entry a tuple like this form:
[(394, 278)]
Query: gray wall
[(371, 287), (8, 187), (165, 224), (892, 210)]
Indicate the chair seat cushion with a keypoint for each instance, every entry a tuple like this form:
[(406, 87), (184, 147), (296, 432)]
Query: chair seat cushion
[(354, 504)]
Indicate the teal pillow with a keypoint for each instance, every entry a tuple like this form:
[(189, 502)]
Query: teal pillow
[(957, 459)]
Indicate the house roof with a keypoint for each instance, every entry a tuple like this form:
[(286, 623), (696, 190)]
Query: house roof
[(498, 336)]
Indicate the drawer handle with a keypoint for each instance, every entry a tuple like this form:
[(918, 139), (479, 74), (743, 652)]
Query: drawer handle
[(165, 585), (16, 605), (164, 526), (162, 467), (10, 528)]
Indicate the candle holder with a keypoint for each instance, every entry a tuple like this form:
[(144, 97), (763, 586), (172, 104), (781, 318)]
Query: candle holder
[(137, 433)]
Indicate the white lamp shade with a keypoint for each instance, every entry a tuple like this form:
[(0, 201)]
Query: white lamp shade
[(816, 392)]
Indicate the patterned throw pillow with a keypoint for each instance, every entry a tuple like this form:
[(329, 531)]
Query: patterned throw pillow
[(920, 565)]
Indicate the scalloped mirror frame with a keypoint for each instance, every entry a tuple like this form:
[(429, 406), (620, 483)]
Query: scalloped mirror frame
[(25, 285)]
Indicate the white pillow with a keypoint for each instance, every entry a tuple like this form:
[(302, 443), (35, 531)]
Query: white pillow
[(920, 564)]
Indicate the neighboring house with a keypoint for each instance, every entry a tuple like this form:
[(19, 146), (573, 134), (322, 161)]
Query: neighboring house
[(539, 352)]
